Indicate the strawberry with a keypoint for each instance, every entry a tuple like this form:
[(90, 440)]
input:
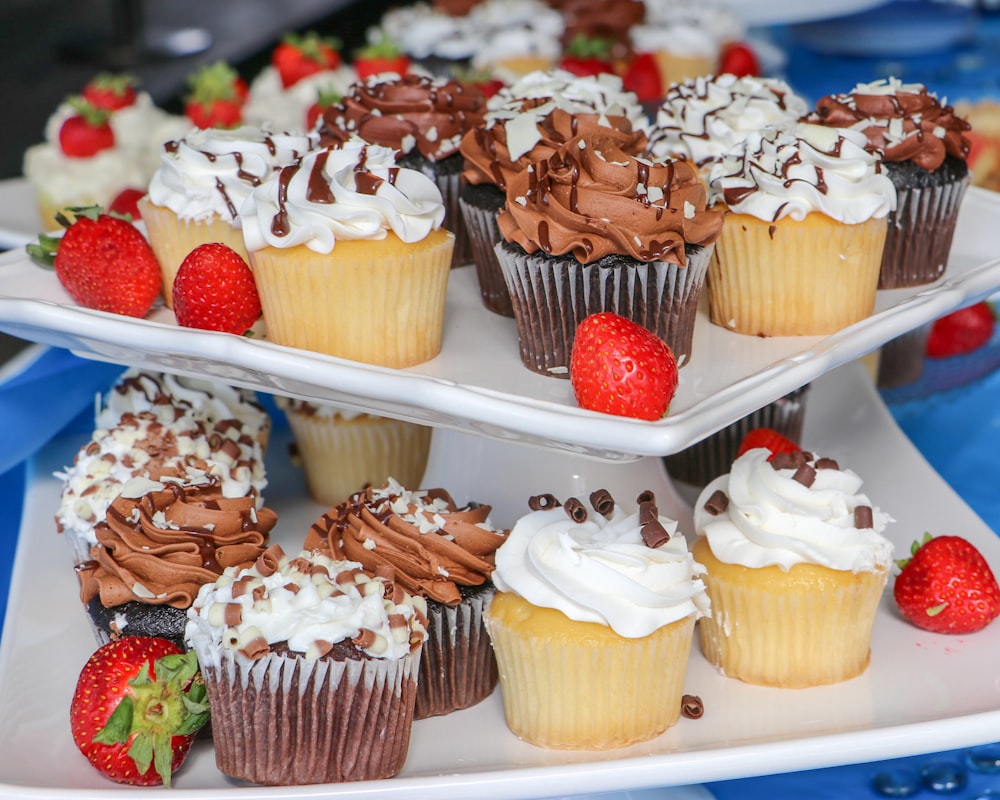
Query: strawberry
[(215, 290), (618, 367), (216, 98), (946, 586), (769, 438), (326, 98), (103, 262), (587, 56), (110, 92), (738, 59), (298, 57), (381, 55), (137, 705), (643, 77), (126, 203), (87, 132), (961, 331)]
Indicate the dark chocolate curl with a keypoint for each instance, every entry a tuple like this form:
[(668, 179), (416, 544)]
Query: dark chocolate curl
[(863, 517), (782, 461), (575, 510), (692, 707), (654, 534), (542, 502), (805, 475), (646, 496), (648, 512), (603, 502), (717, 503), (827, 463)]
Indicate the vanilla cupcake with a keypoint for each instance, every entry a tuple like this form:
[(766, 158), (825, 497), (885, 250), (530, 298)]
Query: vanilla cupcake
[(203, 179), (787, 189), (311, 669), (593, 622), (342, 451), (350, 256), (796, 564)]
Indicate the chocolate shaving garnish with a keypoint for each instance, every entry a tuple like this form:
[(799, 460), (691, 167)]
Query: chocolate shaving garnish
[(654, 534), (255, 649), (782, 461), (322, 647), (270, 560), (603, 502), (543, 502), (232, 614), (646, 496), (827, 463), (863, 517), (805, 475), (575, 510), (717, 503), (364, 639), (692, 707)]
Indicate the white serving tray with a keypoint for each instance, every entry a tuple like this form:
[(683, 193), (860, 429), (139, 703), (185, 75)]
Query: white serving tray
[(477, 383), (923, 692)]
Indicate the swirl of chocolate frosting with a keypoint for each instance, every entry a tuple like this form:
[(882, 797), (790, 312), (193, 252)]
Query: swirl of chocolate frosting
[(591, 198), (487, 152), (414, 112), (432, 545), (163, 539), (905, 122)]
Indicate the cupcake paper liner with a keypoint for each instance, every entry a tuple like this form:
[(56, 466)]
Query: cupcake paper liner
[(552, 295), (484, 235)]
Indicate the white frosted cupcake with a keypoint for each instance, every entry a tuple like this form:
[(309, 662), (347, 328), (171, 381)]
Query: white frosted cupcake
[(593, 621), (796, 563), (272, 105), (203, 179)]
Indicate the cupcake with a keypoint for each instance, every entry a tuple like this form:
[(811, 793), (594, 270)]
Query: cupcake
[(787, 189), (701, 118), (159, 543), (421, 118), (350, 257), (924, 152), (607, 21), (203, 179), (595, 228), (311, 669), (436, 551), (796, 563), (526, 122), (342, 451), (593, 622)]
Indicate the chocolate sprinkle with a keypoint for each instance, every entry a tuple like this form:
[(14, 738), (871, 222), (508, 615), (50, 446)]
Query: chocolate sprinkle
[(543, 502), (863, 517), (717, 503), (692, 707), (805, 475), (603, 502), (575, 510)]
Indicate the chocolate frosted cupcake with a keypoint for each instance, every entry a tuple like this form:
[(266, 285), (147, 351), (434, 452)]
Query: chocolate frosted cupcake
[(160, 542), (924, 153), (423, 119), (437, 551), (527, 122), (595, 228), (311, 669)]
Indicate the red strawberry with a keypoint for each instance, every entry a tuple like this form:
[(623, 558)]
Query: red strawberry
[(126, 203), (298, 57), (961, 331), (137, 705), (769, 438), (216, 98), (325, 99), (215, 290), (87, 132), (382, 55), (643, 77), (110, 92), (618, 367), (738, 59), (103, 262), (947, 586), (587, 56)]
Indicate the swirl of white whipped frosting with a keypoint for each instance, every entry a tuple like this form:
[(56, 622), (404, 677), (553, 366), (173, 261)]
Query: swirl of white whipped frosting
[(701, 119), (774, 520), (601, 571), (793, 171), (352, 191), (210, 173)]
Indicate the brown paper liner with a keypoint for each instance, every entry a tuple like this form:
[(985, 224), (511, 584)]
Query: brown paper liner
[(901, 360), (807, 626), (378, 302), (457, 665), (552, 295), (580, 686), (484, 235), (341, 455), (791, 278), (172, 239), (285, 721)]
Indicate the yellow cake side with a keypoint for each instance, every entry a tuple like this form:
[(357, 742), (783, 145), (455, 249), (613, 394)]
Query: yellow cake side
[(807, 626), (579, 685)]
